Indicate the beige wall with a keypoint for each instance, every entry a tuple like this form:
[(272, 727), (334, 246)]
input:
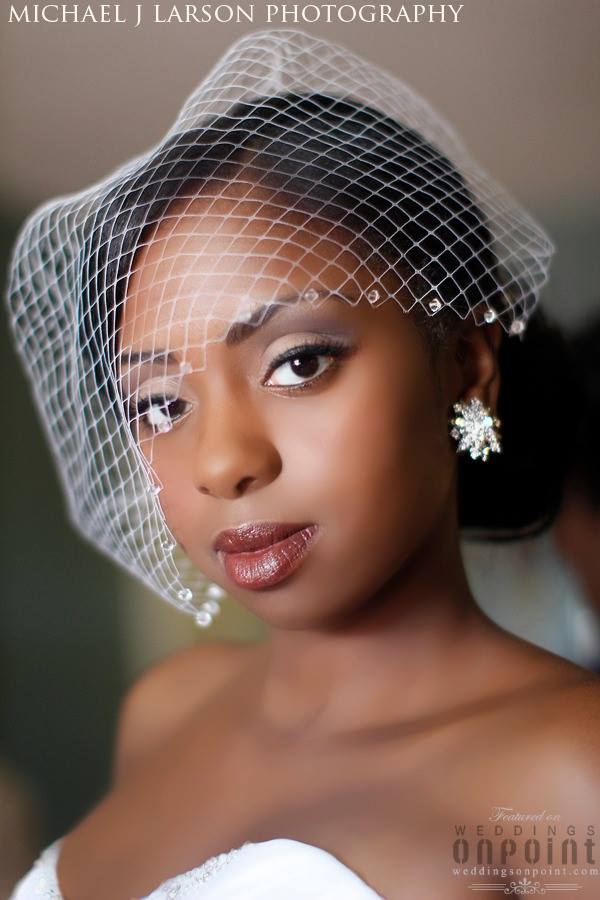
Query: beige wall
[(519, 79)]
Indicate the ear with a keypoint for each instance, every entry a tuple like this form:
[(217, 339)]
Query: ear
[(475, 363)]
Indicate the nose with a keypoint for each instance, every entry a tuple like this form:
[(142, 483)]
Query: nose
[(235, 454)]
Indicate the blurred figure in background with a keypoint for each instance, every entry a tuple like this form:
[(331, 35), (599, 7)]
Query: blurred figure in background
[(577, 528)]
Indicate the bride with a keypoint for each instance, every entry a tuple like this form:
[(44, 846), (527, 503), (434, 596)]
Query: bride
[(293, 340)]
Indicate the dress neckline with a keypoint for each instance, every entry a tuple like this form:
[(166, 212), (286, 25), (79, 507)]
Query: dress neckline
[(202, 872)]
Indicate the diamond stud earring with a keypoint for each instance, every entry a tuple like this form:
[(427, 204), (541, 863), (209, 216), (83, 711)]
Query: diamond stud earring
[(475, 429)]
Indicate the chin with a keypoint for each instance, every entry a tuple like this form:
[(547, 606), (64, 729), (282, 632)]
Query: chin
[(303, 608)]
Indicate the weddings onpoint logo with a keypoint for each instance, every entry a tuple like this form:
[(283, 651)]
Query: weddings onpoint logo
[(530, 852)]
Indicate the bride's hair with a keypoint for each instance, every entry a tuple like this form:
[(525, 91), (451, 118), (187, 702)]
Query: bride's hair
[(412, 214)]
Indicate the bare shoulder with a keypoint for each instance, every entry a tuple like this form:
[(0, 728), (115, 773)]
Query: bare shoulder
[(161, 698), (564, 746), (574, 719), (564, 700), (551, 686), (544, 733), (153, 707)]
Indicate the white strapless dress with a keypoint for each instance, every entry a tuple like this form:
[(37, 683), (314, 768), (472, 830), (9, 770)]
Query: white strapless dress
[(267, 870)]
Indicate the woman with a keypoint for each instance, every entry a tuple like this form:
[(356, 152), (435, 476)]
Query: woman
[(240, 381)]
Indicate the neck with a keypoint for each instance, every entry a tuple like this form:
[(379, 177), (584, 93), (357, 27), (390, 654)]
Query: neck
[(401, 654)]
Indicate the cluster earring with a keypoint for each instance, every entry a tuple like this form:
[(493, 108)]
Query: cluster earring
[(475, 429)]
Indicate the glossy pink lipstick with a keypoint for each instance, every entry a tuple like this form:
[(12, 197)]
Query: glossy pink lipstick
[(261, 554)]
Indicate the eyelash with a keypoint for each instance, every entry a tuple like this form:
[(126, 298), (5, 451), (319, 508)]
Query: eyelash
[(331, 347), (137, 410)]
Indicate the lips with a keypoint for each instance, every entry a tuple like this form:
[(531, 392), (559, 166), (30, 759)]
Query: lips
[(261, 554)]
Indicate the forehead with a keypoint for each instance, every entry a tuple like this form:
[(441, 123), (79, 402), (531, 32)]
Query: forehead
[(223, 253)]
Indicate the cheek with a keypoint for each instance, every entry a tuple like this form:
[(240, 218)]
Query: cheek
[(384, 463), (368, 457), (172, 463)]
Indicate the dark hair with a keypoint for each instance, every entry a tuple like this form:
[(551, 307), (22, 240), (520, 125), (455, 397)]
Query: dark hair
[(410, 210), (518, 492)]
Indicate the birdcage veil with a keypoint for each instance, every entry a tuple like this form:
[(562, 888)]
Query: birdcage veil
[(289, 128)]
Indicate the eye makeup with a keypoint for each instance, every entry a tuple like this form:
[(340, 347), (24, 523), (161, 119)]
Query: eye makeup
[(317, 343), (157, 404), (305, 351)]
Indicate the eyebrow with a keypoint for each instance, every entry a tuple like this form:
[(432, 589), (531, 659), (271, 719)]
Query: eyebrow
[(238, 331), (142, 356)]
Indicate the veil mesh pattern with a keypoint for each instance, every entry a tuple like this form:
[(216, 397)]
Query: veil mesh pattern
[(326, 136)]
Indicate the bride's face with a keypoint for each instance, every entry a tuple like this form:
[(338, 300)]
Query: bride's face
[(328, 414)]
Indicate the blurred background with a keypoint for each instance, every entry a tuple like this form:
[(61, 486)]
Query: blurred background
[(520, 81)]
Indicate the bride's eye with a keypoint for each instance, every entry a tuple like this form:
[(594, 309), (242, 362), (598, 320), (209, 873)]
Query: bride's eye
[(305, 363), (157, 411)]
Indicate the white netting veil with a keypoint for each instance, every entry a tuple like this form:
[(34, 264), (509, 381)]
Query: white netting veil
[(292, 148)]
